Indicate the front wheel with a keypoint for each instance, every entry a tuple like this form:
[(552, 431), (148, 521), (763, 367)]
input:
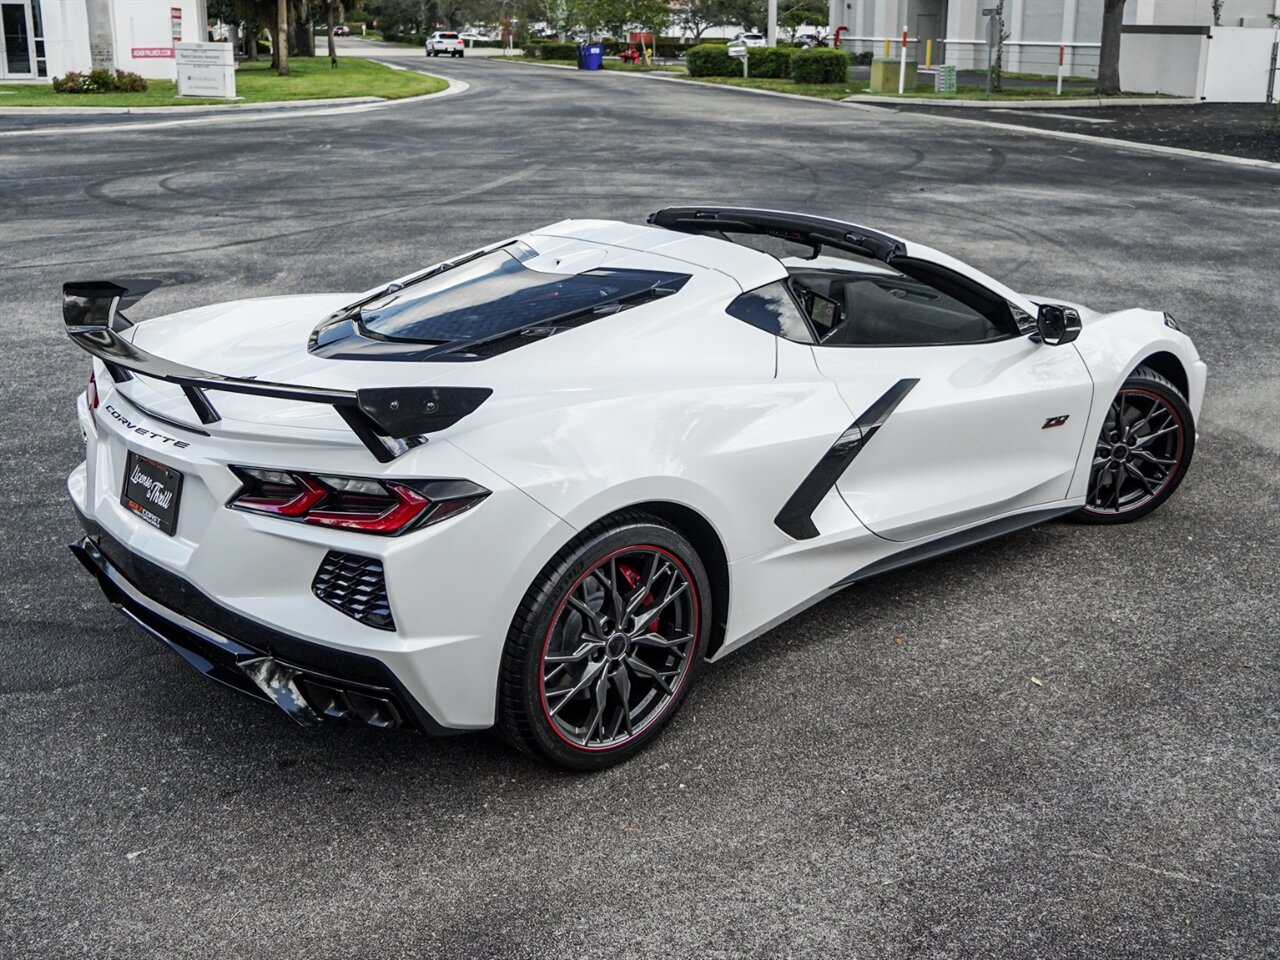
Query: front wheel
[(605, 645), (1142, 453)]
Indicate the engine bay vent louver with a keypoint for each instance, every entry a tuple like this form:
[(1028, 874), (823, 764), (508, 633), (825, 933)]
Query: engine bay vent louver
[(355, 586)]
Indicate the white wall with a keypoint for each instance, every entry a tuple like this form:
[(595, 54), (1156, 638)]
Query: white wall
[(1199, 13), (1162, 63), (134, 24), (1239, 61), (140, 24), (66, 36)]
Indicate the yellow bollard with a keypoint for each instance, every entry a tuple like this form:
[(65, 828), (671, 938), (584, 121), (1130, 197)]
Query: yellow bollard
[(886, 48), (928, 53)]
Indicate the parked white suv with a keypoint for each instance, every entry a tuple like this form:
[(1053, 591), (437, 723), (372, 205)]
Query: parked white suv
[(751, 39), (445, 41)]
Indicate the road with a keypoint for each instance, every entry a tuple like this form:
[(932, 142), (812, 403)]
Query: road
[(878, 778)]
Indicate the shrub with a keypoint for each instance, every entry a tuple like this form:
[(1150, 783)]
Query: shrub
[(820, 65), (862, 59), (558, 51), (712, 60), (99, 81), (771, 63)]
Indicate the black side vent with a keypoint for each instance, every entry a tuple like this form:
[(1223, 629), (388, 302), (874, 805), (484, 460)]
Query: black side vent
[(355, 586)]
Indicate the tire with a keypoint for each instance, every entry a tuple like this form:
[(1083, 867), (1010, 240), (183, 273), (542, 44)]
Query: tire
[(593, 702), (1148, 450)]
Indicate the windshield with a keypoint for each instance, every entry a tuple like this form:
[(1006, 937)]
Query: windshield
[(496, 294)]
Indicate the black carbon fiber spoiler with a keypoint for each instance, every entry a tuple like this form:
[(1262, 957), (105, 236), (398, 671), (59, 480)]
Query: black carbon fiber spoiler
[(387, 420)]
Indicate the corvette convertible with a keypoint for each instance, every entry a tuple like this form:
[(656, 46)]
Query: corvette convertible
[(536, 486)]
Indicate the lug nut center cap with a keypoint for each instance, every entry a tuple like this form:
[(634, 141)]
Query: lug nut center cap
[(1120, 452), (615, 648)]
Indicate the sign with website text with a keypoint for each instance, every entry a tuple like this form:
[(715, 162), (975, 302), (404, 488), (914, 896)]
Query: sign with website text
[(152, 53), (206, 70)]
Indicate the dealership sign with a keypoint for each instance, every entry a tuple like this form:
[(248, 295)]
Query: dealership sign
[(206, 70), (152, 53)]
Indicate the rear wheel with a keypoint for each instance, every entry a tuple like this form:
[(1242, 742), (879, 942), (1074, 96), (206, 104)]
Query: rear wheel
[(1142, 453), (605, 645)]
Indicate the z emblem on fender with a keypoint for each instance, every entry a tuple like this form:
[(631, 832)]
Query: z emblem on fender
[(1055, 422)]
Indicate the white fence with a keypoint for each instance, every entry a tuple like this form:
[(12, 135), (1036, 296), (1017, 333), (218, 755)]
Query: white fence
[(1021, 56), (1223, 64)]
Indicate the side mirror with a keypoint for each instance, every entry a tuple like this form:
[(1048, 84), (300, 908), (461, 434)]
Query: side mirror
[(1057, 324)]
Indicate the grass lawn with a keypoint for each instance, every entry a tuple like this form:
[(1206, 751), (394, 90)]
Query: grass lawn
[(310, 78), (824, 91)]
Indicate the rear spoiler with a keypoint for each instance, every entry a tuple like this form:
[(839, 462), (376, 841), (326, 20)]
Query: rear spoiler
[(387, 420)]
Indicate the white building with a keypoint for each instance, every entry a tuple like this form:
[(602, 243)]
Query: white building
[(48, 38), (1036, 28)]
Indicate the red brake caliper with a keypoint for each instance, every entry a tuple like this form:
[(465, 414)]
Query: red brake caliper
[(633, 578)]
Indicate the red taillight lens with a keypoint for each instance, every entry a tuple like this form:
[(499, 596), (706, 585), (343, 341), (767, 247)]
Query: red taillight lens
[(386, 507), (91, 391)]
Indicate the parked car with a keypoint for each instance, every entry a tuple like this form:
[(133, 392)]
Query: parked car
[(751, 39), (471, 37), (445, 41), (536, 485), (341, 30)]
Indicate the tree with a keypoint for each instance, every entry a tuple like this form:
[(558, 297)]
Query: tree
[(796, 13), (1109, 56), (695, 17), (997, 65), (333, 50), (280, 42)]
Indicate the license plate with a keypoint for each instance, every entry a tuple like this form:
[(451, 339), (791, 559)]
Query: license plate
[(151, 492)]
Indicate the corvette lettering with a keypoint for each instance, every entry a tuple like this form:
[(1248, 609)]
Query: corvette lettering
[(143, 431)]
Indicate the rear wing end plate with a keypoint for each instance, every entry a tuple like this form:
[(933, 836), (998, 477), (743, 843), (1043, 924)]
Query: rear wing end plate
[(387, 420)]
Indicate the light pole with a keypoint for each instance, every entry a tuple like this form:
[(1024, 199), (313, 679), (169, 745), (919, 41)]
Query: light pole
[(771, 28)]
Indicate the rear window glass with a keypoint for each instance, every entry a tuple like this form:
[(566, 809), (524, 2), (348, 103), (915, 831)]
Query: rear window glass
[(496, 294), (448, 36)]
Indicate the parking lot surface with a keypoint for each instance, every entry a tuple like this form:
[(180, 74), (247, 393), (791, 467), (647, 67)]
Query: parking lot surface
[(881, 777)]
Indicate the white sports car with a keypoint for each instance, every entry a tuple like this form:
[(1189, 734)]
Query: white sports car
[(535, 486)]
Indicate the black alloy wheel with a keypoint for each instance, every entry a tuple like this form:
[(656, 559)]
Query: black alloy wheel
[(1142, 452), (605, 645)]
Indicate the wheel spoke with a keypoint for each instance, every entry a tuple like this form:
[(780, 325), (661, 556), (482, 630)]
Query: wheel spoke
[(1143, 442), (1137, 475), (650, 614), (1117, 481), (588, 645), (1152, 459), (591, 615), (660, 642), (643, 669), (622, 683), (588, 674)]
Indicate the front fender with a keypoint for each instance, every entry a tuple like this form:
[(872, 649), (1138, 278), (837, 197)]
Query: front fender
[(1112, 346)]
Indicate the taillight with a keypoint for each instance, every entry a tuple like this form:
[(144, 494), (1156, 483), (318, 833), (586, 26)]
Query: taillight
[(386, 507), (91, 392)]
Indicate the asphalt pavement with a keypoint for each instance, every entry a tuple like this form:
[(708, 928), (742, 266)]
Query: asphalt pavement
[(880, 777)]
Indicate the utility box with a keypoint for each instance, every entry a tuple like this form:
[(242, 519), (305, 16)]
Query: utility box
[(944, 78), (884, 75)]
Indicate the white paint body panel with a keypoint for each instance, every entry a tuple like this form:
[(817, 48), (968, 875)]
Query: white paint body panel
[(671, 402)]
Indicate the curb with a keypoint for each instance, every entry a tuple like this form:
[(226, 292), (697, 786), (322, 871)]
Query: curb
[(193, 108), (314, 108), (1071, 103), (1135, 145)]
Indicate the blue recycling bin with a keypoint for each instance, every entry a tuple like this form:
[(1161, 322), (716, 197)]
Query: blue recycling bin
[(590, 56)]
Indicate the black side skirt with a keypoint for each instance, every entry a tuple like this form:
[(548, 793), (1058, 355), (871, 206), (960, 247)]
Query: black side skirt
[(953, 542)]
